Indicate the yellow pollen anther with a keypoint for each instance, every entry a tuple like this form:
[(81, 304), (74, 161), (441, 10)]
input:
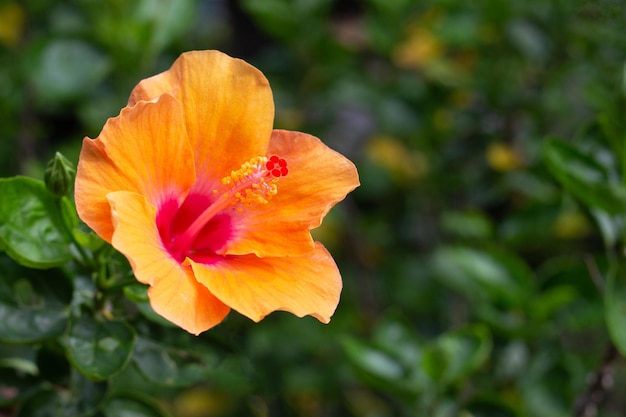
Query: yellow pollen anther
[(251, 184)]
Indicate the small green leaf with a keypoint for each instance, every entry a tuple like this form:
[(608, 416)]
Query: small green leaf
[(609, 225), (87, 238), (467, 224), (137, 293), (32, 228), (495, 274), (67, 68), (83, 399), (169, 21), (546, 304), (615, 310), (584, 177), (374, 361), (283, 18), (19, 357), (398, 338), (33, 306), (125, 406), (384, 369), (99, 348), (455, 355), (41, 404), (172, 367)]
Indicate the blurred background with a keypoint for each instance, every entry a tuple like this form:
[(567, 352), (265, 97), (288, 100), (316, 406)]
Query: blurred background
[(471, 280)]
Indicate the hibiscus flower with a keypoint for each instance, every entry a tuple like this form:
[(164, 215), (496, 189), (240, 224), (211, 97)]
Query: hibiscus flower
[(211, 206)]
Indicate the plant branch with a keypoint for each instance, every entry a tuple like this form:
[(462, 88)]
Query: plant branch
[(588, 403)]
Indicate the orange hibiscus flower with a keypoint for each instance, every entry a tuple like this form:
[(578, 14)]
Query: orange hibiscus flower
[(212, 207)]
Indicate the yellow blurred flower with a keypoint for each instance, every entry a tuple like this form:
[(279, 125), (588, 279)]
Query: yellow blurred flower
[(424, 50), (200, 402), (391, 154), (571, 225), (11, 23), (503, 157), (419, 49)]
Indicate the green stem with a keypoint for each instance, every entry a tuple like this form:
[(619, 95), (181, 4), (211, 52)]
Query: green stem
[(102, 280), (111, 285), (85, 258)]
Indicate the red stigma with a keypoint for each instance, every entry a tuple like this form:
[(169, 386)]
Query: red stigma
[(276, 167)]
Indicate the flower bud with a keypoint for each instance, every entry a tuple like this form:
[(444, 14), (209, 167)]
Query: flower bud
[(59, 175)]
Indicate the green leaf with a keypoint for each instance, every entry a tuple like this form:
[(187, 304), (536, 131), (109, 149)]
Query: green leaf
[(33, 306), (283, 18), (374, 361), (87, 239), (467, 224), (32, 228), (170, 366), (169, 20), (19, 357), (546, 304), (384, 369), (455, 355), (398, 338), (67, 68), (610, 226), (99, 348), (584, 177), (615, 310), (530, 226), (479, 275), (82, 399), (126, 406), (137, 293), (41, 404), (544, 388)]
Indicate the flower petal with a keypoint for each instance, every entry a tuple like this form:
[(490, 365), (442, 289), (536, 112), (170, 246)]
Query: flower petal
[(318, 179), (174, 293), (145, 150), (302, 285), (190, 305), (228, 105)]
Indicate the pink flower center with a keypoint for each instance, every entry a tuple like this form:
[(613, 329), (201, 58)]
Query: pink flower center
[(203, 223)]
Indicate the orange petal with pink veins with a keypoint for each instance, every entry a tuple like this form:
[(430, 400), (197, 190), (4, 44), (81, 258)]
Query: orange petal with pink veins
[(302, 285), (174, 292), (318, 179), (228, 106), (134, 152)]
